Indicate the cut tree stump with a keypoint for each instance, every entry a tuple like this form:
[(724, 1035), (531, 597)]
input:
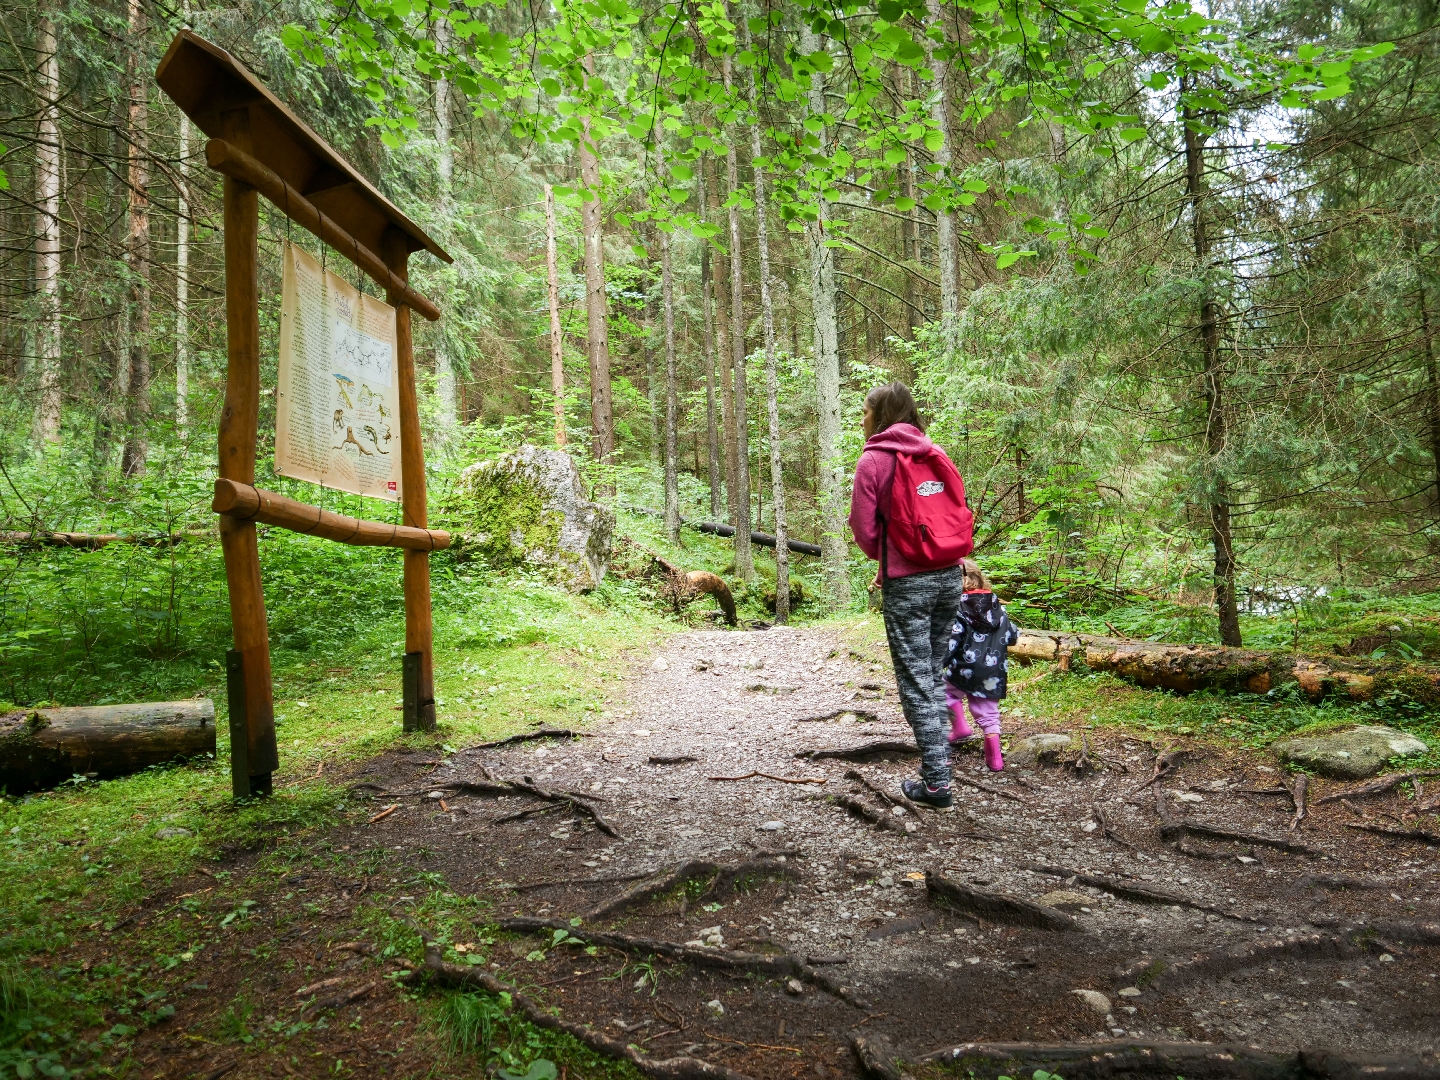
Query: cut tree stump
[(40, 748), (1199, 667)]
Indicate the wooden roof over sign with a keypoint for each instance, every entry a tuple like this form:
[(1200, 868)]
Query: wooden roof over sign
[(206, 81)]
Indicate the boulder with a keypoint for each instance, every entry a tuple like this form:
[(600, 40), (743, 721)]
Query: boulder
[(1033, 749), (528, 507), (1355, 754)]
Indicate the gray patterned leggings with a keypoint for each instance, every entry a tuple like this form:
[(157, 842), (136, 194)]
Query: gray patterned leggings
[(919, 611)]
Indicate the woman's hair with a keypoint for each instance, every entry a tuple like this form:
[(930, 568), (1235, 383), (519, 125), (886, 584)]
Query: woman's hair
[(893, 403), (974, 577)]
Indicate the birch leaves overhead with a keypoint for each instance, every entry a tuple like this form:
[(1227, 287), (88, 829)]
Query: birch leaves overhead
[(1031, 59)]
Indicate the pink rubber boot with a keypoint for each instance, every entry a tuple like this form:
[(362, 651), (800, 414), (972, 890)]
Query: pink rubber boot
[(960, 728), (994, 759)]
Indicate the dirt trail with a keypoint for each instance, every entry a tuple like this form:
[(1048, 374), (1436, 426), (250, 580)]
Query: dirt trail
[(1263, 947)]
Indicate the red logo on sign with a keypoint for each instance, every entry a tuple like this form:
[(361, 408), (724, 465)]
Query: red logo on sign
[(390, 485)]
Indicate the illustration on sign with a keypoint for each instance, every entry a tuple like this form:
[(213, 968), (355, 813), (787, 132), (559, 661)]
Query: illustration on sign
[(337, 390)]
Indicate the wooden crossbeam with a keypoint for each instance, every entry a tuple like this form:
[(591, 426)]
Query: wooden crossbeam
[(245, 502), (233, 162)]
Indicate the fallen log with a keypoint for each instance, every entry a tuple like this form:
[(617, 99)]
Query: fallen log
[(1194, 1061), (40, 748), (1186, 668), (94, 541), (683, 587), (759, 539)]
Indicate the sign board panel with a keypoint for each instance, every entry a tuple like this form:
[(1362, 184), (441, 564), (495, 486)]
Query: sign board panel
[(336, 403)]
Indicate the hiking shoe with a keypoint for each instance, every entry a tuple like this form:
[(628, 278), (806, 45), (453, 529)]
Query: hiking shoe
[(936, 797)]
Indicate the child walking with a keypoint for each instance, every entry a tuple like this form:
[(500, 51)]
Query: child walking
[(976, 663)]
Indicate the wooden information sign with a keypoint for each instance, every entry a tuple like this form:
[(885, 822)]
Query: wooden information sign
[(262, 148)]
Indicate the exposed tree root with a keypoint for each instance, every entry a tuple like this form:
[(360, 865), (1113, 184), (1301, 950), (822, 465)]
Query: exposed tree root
[(646, 891), (677, 1068), (772, 776), (995, 907), (1421, 836), (860, 714), (1165, 763), (612, 879), (860, 808), (1306, 947), (787, 964), (529, 736), (876, 1057), (1142, 894), (528, 787), (678, 759), (895, 798), (1377, 787), (865, 751), (725, 876), (1107, 828), (1297, 797), (989, 789), (1173, 829), (1194, 1061)]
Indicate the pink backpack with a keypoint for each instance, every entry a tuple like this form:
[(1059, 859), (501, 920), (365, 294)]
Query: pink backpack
[(929, 523)]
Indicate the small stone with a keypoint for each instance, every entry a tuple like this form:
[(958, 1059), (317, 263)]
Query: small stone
[(952, 963), (1031, 750), (172, 833), (1097, 1002), (641, 733), (972, 959), (1246, 859), (716, 1009), (886, 881), (772, 826), (1130, 991), (1089, 826), (898, 811), (1386, 958), (1188, 796), (794, 986), (660, 664), (435, 795)]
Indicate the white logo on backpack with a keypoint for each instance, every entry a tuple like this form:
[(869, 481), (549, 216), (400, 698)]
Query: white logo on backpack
[(931, 487)]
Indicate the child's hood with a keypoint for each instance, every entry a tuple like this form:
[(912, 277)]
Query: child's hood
[(900, 438), (981, 611)]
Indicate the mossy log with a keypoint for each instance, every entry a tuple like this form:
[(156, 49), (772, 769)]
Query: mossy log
[(1187, 668), (40, 748)]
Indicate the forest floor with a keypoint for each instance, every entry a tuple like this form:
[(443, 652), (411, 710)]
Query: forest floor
[(314, 958)]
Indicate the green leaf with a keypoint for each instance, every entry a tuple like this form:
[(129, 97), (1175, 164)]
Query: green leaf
[(1130, 135), (623, 49), (1372, 52), (540, 1069), (1009, 258), (934, 141)]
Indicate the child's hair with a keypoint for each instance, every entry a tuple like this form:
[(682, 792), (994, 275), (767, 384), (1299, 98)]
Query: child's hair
[(892, 403), (974, 577)]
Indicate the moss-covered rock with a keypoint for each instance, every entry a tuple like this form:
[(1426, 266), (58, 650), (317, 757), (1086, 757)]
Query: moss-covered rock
[(1356, 754), (528, 507)]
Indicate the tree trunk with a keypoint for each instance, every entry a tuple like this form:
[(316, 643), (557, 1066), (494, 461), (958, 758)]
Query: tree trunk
[(944, 217), (772, 378), (827, 374), (47, 231), (137, 249), (727, 388), (445, 161), (667, 300), (40, 748), (1187, 668), (602, 420), (1215, 433), (707, 322), (1432, 392), (744, 559), (557, 338), (182, 286)]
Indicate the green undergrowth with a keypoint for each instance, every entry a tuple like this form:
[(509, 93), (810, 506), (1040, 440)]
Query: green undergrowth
[(511, 653)]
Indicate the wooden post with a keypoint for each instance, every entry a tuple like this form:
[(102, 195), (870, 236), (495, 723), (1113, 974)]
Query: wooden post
[(557, 341), (237, 462), (419, 713)]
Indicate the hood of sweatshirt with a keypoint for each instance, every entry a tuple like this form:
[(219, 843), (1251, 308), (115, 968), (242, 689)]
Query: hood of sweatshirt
[(981, 611), (900, 438)]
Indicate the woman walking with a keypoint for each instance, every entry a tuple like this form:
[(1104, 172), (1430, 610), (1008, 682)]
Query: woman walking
[(908, 513)]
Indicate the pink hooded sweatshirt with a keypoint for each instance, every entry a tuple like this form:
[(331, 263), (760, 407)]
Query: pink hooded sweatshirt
[(870, 497)]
